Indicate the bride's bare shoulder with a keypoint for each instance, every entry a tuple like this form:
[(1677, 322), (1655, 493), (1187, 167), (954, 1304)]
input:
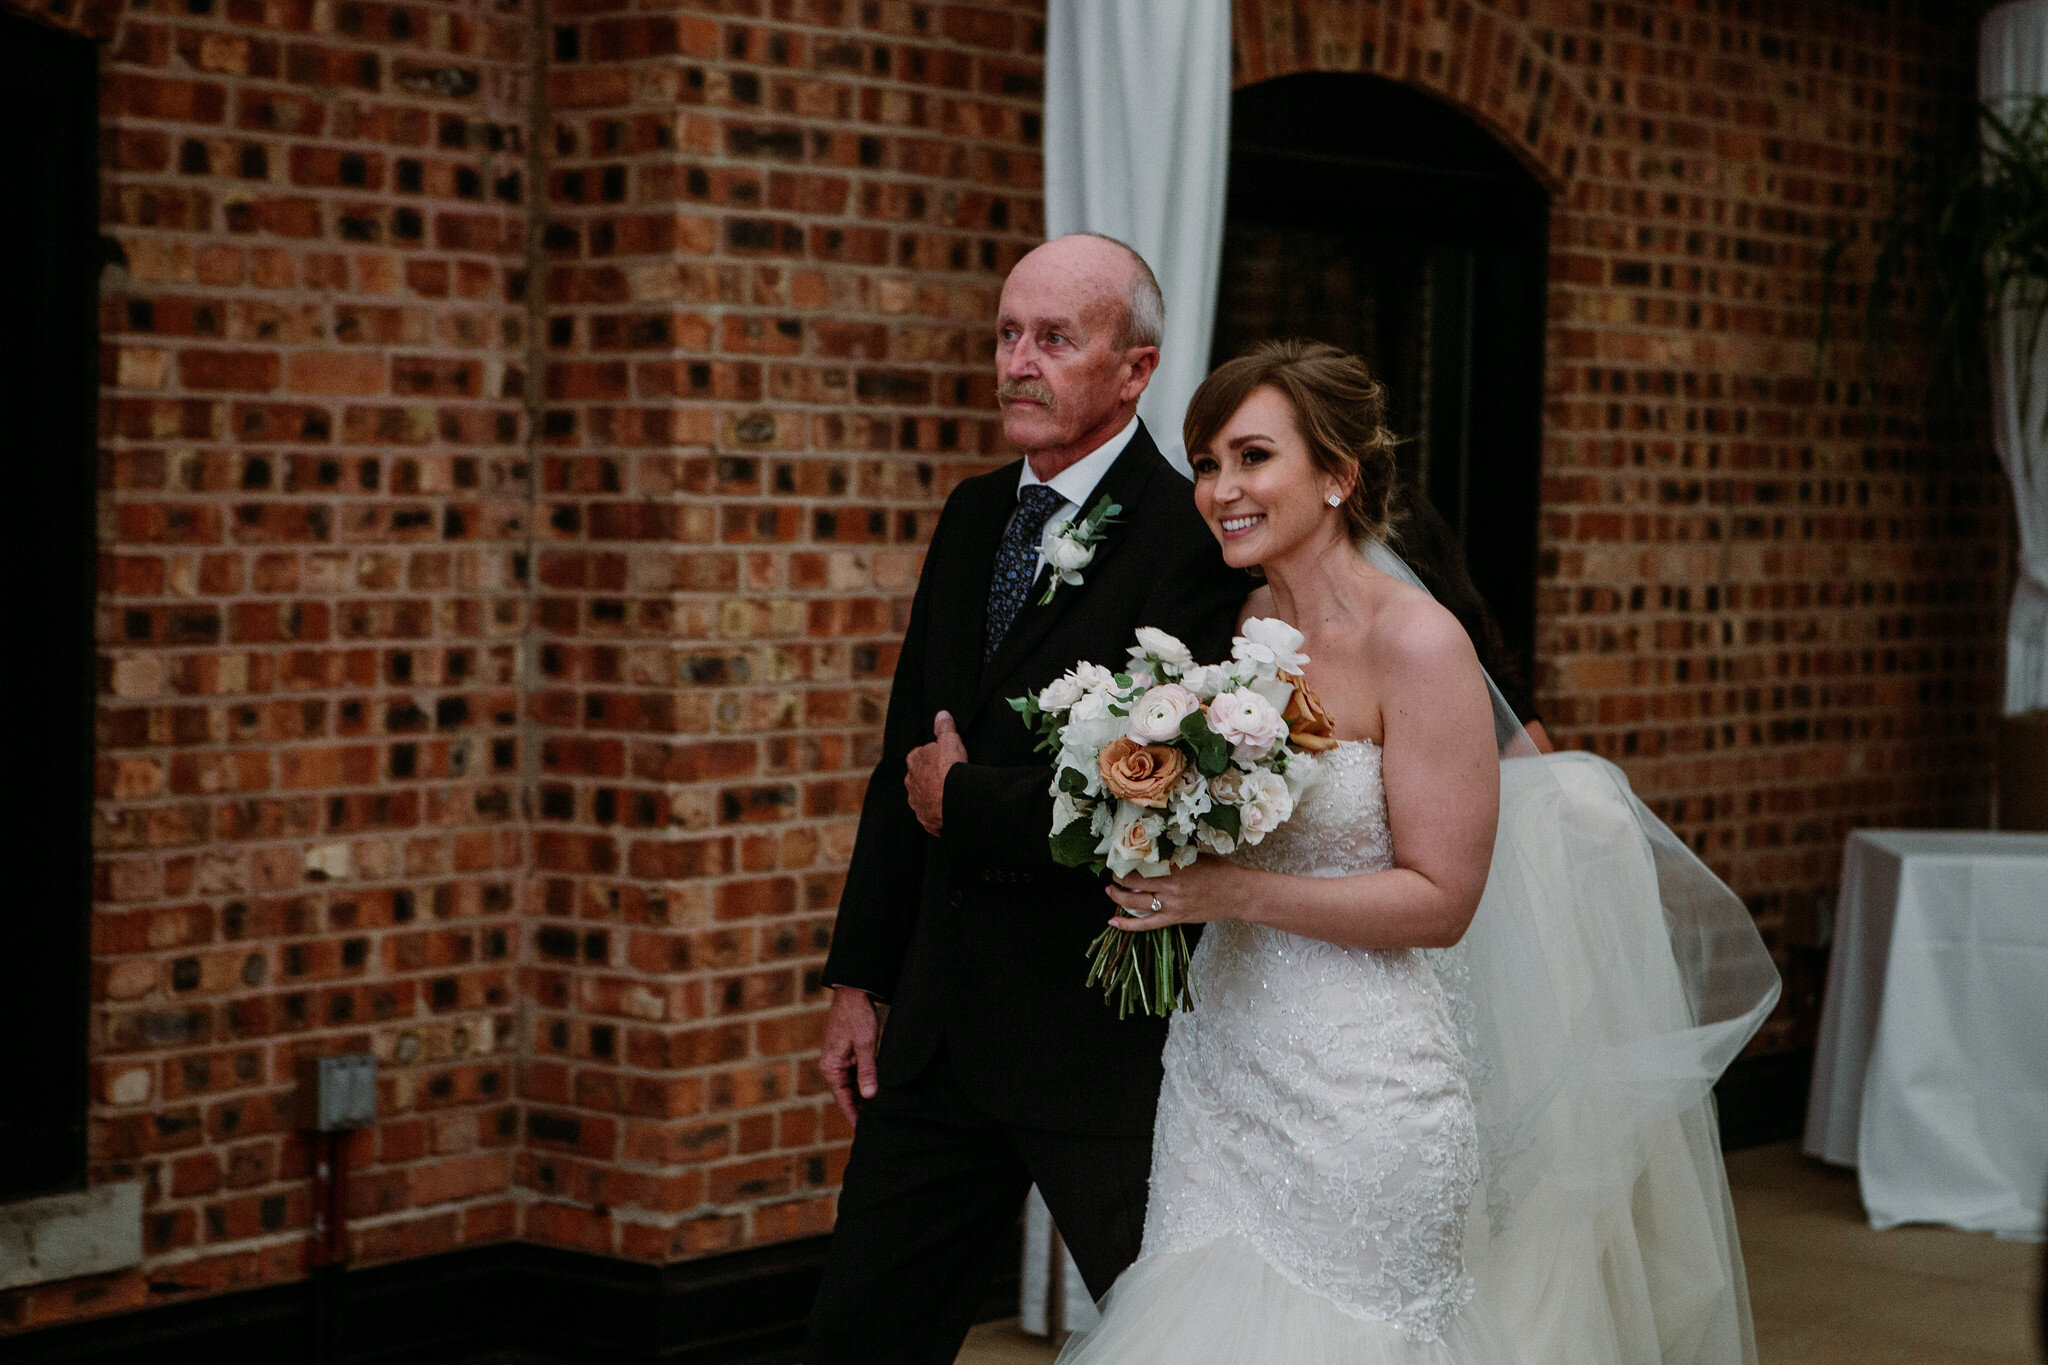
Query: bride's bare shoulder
[(1414, 637), (1260, 603)]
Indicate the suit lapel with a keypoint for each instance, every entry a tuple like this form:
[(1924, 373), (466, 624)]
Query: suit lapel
[(960, 593), (1124, 485)]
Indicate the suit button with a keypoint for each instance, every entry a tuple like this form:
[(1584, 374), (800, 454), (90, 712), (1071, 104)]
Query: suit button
[(956, 900)]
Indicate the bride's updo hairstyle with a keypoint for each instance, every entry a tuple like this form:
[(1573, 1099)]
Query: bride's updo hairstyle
[(1340, 409)]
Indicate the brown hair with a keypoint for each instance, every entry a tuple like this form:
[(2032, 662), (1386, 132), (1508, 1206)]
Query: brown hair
[(1339, 408)]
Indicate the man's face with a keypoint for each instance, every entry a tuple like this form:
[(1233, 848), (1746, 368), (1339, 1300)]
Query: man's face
[(1059, 372)]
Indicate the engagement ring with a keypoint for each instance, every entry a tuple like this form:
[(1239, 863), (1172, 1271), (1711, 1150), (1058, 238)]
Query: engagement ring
[(1155, 905)]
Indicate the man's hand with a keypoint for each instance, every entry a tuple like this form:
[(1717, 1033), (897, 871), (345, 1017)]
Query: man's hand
[(925, 778), (850, 1035)]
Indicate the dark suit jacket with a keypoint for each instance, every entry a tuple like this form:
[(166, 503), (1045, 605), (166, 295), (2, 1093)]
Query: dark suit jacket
[(977, 938)]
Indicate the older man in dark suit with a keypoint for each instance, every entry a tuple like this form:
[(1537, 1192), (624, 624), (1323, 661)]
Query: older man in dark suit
[(1000, 1066)]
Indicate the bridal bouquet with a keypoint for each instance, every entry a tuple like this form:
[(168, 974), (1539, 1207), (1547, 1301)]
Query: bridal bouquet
[(1168, 759)]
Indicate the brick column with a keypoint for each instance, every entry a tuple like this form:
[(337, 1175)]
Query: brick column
[(773, 253)]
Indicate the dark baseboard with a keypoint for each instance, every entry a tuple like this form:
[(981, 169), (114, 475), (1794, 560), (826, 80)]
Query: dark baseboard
[(1763, 1099), (511, 1304)]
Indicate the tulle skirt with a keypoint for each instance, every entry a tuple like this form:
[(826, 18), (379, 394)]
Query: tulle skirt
[(1654, 1277), (1226, 1304)]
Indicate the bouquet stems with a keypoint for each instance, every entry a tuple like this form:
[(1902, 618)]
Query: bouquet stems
[(1142, 969)]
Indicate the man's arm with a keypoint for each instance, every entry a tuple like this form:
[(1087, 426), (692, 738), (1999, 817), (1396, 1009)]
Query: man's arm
[(998, 820)]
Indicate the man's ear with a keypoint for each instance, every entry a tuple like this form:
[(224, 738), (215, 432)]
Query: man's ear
[(1143, 362)]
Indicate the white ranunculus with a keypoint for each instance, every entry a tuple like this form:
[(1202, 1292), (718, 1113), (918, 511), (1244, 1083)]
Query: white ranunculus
[(1269, 644), (1065, 554), (1061, 693), (1155, 717), (1250, 722), (1159, 645)]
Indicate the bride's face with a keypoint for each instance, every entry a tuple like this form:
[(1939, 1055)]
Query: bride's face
[(1258, 487)]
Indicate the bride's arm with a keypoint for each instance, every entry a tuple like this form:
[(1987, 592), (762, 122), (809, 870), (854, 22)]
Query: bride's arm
[(1442, 776)]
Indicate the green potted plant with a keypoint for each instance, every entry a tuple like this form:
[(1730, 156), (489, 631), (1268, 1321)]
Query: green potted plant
[(1976, 228)]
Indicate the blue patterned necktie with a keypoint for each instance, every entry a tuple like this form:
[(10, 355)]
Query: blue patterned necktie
[(1017, 561)]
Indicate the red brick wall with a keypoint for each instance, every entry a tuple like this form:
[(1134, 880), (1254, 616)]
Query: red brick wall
[(537, 776), (312, 471), (1779, 606), (773, 252)]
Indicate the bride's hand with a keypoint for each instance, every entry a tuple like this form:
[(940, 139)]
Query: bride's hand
[(1206, 889)]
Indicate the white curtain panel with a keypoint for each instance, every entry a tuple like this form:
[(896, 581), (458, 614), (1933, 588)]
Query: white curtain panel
[(1137, 141), (2012, 65)]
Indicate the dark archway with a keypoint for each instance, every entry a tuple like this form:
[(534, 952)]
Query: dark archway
[(1368, 214), (49, 96)]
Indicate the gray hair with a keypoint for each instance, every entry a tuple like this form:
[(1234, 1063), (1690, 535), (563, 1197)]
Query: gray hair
[(1144, 320)]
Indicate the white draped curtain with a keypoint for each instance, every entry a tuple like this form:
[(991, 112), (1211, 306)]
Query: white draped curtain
[(2012, 66), (1137, 141)]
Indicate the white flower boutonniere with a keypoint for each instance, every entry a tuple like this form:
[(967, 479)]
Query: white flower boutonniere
[(1069, 546)]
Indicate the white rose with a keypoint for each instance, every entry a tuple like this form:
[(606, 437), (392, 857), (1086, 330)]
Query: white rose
[(1215, 840), (1061, 693), (1159, 645), (1227, 787), (1250, 722), (1132, 844), (1270, 645), (1156, 717)]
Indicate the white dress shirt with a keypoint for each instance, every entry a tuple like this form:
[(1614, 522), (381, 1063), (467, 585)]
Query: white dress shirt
[(1077, 481)]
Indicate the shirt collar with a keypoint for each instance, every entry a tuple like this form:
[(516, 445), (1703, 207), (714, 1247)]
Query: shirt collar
[(1078, 480)]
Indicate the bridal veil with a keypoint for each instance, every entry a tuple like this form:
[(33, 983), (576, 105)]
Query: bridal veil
[(1607, 980)]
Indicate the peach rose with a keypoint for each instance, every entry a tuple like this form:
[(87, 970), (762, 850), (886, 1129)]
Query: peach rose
[(1309, 727), (1142, 774)]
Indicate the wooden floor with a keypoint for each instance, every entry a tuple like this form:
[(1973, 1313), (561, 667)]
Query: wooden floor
[(1827, 1289)]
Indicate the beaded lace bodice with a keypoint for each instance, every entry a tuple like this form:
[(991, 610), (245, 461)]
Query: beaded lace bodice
[(1315, 1101)]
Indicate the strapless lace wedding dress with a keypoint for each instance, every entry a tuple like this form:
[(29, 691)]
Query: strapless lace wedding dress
[(1315, 1154), (1324, 1191)]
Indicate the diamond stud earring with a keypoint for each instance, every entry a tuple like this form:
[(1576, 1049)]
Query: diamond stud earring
[(1334, 500)]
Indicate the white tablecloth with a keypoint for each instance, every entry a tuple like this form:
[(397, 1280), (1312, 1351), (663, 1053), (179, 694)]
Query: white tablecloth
[(1931, 1077)]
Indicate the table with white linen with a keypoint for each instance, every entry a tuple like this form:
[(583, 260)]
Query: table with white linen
[(1931, 1076)]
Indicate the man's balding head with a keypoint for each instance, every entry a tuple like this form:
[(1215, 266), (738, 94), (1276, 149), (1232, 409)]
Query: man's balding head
[(1077, 339), (1115, 273)]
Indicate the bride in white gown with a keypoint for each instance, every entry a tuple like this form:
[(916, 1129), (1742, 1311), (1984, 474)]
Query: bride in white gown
[(1442, 1097)]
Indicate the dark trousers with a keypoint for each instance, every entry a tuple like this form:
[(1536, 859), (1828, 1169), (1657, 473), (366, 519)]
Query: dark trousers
[(929, 1210)]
